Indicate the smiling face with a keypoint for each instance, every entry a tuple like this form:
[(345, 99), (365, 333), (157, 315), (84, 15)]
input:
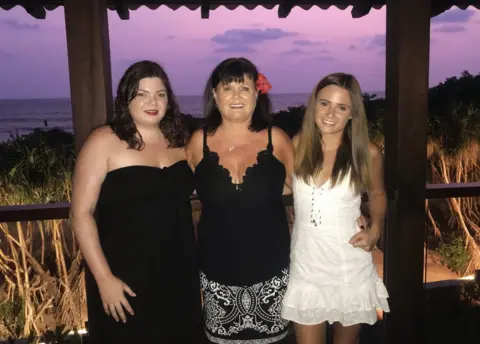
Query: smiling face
[(333, 109), (236, 100), (150, 103)]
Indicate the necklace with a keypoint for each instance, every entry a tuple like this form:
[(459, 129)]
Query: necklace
[(232, 148)]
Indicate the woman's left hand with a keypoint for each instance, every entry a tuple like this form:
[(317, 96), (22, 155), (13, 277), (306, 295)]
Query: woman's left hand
[(366, 239)]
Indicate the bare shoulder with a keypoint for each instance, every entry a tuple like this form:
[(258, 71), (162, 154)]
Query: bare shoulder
[(375, 151), (195, 140), (101, 139), (295, 140), (193, 149), (280, 137)]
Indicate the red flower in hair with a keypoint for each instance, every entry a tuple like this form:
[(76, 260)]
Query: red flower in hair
[(263, 86)]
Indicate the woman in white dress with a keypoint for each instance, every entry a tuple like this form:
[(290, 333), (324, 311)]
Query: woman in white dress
[(332, 275)]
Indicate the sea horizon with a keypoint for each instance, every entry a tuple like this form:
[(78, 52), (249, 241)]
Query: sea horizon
[(20, 116)]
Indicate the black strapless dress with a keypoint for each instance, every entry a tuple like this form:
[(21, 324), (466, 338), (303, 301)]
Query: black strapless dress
[(145, 226)]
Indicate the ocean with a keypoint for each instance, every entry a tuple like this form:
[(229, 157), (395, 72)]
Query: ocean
[(21, 116)]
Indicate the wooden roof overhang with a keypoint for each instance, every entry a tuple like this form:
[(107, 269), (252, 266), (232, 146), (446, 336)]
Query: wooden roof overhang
[(359, 8)]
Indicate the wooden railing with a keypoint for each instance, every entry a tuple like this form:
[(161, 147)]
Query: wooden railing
[(36, 212)]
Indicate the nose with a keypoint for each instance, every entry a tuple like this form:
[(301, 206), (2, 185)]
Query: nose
[(330, 111), (151, 101)]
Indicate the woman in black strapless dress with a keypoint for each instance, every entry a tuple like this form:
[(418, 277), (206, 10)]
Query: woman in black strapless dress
[(241, 166), (132, 217)]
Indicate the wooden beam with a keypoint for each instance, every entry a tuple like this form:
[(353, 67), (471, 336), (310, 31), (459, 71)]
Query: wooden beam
[(453, 190), (205, 10), (407, 67), (122, 11), (34, 212), (284, 9), (359, 11), (89, 65), (36, 11)]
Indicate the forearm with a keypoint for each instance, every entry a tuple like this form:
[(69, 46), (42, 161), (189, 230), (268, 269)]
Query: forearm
[(86, 232), (378, 209)]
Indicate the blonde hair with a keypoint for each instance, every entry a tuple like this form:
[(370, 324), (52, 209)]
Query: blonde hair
[(352, 155)]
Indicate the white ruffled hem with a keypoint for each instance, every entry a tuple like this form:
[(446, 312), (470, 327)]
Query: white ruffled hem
[(308, 304)]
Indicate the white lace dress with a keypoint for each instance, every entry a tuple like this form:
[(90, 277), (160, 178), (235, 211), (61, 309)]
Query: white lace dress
[(330, 280)]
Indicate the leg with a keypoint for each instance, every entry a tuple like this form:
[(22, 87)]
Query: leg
[(311, 334), (346, 334)]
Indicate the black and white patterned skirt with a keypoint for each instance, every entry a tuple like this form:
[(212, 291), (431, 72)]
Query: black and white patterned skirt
[(245, 315)]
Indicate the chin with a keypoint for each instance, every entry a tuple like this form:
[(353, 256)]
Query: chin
[(329, 130), (238, 116)]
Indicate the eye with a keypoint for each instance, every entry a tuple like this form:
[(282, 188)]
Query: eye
[(141, 94), (245, 88), (343, 108), (162, 95), (323, 103), (227, 88)]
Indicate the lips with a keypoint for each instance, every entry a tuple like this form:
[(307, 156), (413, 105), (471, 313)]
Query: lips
[(237, 106), (328, 122), (151, 112)]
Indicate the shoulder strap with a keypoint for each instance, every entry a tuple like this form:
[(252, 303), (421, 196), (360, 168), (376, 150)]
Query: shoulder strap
[(270, 144)]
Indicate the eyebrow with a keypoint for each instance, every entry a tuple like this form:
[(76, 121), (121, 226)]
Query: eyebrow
[(142, 90), (330, 102)]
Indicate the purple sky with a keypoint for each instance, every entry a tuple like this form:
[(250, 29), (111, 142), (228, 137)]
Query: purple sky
[(294, 53)]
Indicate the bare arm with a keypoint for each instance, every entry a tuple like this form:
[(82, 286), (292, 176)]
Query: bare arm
[(377, 198), (368, 238), (285, 153), (90, 171), (194, 149)]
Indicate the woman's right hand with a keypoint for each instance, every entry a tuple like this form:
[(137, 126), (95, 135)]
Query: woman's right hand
[(112, 291)]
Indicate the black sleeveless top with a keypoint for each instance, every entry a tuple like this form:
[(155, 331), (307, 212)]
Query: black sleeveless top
[(243, 234)]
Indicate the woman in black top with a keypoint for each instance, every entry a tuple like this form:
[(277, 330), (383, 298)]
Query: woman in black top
[(132, 218), (242, 167)]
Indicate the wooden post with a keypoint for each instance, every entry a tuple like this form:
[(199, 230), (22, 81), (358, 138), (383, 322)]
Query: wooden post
[(89, 65), (407, 70)]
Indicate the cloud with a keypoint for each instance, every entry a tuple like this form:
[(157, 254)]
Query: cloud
[(170, 37), (352, 47), (379, 40), (294, 52), (19, 26), (236, 49), (306, 42), (324, 51), (455, 15), (318, 59), (250, 36), (450, 28)]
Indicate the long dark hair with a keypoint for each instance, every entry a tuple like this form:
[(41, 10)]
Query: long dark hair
[(234, 70), (172, 125)]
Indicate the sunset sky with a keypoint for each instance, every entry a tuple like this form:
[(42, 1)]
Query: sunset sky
[(294, 53)]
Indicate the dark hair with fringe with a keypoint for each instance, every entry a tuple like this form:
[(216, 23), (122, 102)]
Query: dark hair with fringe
[(172, 124), (234, 70)]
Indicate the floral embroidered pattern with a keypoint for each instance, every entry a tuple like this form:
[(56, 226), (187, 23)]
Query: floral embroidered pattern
[(230, 309)]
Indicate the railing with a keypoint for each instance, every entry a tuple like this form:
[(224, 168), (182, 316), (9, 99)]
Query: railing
[(56, 211)]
